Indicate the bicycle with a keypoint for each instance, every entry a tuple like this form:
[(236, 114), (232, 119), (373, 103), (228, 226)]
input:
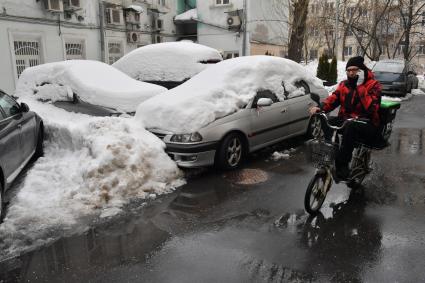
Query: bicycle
[(323, 155)]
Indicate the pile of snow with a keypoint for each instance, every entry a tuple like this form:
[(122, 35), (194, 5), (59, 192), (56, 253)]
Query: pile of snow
[(168, 61), (418, 92), (221, 90), (94, 82), (421, 84), (137, 8), (91, 168), (187, 16), (279, 155)]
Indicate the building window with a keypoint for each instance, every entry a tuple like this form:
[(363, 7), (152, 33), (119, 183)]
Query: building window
[(313, 54), (315, 8), (74, 50), (350, 11), (27, 54), (159, 24), (423, 18), (421, 49), (115, 51), (222, 2), (348, 51), (230, 54), (315, 31), (401, 48), (359, 51), (113, 16), (349, 32), (158, 39)]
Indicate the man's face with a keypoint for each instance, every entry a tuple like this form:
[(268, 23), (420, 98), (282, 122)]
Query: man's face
[(352, 71)]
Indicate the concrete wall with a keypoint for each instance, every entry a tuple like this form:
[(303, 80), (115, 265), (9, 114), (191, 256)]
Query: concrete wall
[(213, 31)]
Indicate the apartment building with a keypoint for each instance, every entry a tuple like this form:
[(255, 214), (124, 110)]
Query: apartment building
[(320, 37), (221, 24), (33, 32)]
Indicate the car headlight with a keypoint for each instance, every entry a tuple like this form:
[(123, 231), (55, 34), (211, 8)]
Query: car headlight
[(186, 138), (399, 83)]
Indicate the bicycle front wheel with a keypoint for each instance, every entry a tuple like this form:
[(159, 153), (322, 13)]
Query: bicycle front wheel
[(316, 193)]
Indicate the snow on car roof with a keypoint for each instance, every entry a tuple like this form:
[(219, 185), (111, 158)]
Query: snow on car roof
[(168, 61), (220, 90), (93, 81), (188, 15)]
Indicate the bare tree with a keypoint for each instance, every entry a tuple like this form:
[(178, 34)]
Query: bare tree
[(411, 19), (298, 27)]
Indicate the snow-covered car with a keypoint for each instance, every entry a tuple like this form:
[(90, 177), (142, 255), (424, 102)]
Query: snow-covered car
[(21, 137), (85, 86), (168, 64), (232, 108)]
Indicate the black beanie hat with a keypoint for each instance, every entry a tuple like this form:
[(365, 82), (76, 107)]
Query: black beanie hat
[(357, 61)]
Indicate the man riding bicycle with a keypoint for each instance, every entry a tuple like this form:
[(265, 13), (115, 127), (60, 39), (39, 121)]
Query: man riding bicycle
[(358, 97)]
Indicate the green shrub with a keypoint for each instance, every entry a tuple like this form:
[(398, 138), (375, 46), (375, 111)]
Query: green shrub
[(333, 71)]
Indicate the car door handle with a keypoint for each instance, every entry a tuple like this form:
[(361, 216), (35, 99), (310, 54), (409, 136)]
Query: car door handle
[(284, 110)]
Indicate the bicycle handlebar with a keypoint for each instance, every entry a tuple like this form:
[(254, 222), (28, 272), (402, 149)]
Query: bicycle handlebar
[(349, 120)]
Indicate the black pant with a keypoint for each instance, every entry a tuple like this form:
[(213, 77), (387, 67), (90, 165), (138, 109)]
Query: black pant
[(352, 133)]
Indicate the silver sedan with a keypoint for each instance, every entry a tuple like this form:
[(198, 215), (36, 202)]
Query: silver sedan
[(265, 120)]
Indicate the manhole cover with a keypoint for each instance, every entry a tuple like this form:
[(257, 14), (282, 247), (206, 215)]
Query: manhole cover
[(246, 176)]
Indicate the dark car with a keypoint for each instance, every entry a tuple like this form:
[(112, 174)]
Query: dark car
[(21, 138), (396, 76)]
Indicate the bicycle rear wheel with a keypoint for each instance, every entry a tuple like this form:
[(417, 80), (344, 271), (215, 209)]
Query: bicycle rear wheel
[(316, 193)]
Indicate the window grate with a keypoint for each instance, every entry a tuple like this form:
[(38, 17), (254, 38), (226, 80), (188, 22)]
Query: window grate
[(74, 50), (27, 54), (115, 51)]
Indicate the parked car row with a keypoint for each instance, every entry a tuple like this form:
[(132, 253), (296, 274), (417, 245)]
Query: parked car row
[(21, 138), (210, 112)]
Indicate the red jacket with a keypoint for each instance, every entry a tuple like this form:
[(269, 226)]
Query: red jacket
[(362, 102)]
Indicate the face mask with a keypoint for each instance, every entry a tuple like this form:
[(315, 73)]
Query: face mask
[(361, 78)]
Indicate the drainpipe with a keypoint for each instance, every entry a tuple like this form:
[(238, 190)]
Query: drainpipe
[(102, 30), (244, 28)]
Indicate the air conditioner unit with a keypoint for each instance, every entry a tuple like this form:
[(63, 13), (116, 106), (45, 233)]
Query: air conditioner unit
[(54, 5), (234, 21), (133, 37)]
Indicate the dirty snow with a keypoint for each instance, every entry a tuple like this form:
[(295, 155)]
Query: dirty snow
[(221, 90), (418, 92), (94, 82), (91, 168), (279, 155), (168, 61), (188, 15)]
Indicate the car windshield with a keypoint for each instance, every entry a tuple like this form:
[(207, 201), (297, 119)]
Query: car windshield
[(389, 67)]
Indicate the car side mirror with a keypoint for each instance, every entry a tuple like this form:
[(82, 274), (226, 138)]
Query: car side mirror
[(24, 107), (264, 102), (315, 97)]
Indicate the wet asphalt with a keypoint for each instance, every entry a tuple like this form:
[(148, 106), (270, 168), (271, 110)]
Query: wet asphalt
[(250, 226)]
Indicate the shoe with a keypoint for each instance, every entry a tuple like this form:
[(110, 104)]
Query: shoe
[(342, 172)]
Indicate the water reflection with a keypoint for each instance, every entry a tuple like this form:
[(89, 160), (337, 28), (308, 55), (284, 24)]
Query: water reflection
[(123, 240), (408, 142), (344, 243)]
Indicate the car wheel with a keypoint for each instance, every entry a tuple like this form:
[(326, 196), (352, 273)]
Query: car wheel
[(231, 152), (39, 151)]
